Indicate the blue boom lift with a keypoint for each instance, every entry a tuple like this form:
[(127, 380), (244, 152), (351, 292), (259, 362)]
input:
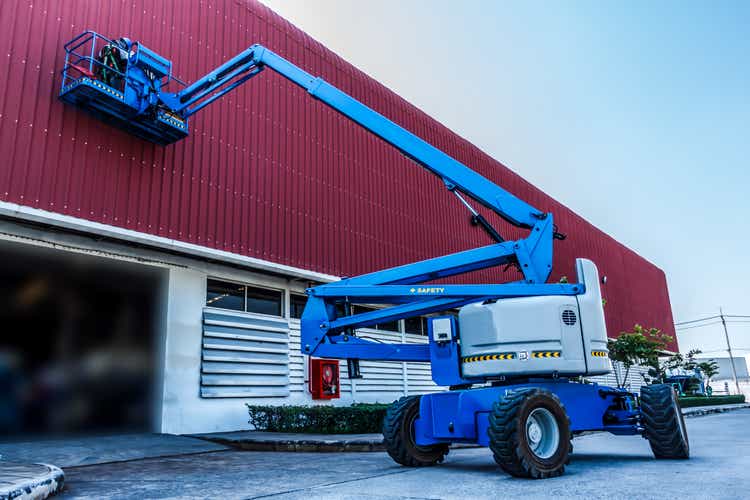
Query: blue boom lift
[(514, 355)]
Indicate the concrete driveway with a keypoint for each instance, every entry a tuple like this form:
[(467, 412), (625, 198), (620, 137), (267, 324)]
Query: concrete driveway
[(603, 466)]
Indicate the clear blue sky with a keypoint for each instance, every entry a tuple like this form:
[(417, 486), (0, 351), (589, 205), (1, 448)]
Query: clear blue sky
[(634, 114)]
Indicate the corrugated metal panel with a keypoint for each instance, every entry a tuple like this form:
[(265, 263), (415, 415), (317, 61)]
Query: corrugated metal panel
[(267, 172), (244, 356), (382, 380), (390, 380)]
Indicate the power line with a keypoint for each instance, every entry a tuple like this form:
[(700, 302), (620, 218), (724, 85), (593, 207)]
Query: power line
[(680, 329), (699, 320), (709, 321), (695, 320), (724, 350)]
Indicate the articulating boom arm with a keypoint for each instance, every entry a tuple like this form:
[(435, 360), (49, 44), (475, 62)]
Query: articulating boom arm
[(456, 176), (124, 83), (327, 334)]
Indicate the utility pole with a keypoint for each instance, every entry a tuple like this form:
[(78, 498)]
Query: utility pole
[(729, 350)]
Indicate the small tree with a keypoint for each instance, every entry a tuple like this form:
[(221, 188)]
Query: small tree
[(691, 363), (709, 369), (639, 347)]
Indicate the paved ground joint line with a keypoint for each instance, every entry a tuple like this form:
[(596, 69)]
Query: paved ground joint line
[(335, 483), (142, 459)]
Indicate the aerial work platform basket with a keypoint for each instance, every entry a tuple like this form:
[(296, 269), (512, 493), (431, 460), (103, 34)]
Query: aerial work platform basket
[(94, 79)]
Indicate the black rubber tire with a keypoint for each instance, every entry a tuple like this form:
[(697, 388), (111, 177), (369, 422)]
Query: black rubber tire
[(508, 440), (663, 422), (398, 436)]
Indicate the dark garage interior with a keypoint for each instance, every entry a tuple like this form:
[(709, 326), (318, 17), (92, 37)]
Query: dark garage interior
[(79, 346)]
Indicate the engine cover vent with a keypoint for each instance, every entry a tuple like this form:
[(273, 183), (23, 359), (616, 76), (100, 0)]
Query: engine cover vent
[(569, 317)]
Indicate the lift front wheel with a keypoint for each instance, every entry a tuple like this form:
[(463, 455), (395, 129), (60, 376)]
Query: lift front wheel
[(529, 434), (398, 435), (663, 423)]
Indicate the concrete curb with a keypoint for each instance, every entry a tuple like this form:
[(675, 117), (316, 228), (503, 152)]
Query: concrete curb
[(29, 481), (320, 443), (304, 445), (271, 441), (699, 411)]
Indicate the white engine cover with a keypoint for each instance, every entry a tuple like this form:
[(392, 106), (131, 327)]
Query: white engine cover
[(537, 335)]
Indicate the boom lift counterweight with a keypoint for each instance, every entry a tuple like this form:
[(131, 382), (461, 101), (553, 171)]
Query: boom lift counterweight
[(513, 349)]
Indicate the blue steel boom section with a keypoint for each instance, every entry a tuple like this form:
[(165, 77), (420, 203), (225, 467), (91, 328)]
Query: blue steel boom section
[(145, 108), (326, 334)]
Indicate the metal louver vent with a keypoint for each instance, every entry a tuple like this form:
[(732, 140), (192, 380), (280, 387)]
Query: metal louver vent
[(244, 356), (569, 317)]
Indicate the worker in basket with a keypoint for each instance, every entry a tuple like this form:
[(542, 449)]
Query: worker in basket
[(113, 59)]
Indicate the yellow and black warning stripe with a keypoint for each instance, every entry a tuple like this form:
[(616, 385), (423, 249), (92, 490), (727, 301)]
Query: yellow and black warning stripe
[(599, 354), (546, 354), (105, 88), (167, 115), (489, 357)]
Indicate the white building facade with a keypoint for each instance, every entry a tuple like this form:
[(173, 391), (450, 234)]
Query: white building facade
[(225, 327)]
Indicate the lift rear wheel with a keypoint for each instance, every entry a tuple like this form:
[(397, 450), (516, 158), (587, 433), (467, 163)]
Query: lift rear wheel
[(398, 435), (663, 422), (529, 434)]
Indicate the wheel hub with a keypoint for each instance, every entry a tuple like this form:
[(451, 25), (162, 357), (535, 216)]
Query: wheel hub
[(535, 433), (542, 433)]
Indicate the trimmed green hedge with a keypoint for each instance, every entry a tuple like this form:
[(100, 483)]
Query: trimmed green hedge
[(355, 419), (688, 402)]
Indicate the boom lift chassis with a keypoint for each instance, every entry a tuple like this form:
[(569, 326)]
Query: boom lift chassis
[(527, 421)]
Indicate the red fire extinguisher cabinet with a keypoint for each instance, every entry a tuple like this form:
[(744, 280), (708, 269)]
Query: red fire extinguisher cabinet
[(324, 378)]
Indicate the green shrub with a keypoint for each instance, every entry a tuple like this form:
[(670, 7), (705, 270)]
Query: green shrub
[(355, 419), (688, 402)]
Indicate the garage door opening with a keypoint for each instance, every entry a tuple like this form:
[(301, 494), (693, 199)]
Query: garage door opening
[(78, 352)]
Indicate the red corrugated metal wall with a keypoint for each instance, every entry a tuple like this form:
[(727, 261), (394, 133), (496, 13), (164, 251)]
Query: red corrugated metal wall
[(267, 172)]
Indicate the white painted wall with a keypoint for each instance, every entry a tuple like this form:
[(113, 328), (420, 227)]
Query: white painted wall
[(184, 411)]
